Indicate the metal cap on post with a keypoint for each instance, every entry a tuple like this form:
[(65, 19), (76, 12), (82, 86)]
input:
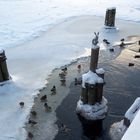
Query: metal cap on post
[(4, 74)]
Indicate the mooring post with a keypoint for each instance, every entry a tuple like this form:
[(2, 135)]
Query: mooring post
[(110, 17), (94, 59), (92, 106), (4, 74)]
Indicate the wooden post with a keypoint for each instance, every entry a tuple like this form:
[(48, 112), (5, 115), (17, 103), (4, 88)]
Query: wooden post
[(100, 72), (94, 59), (4, 74), (126, 122), (84, 94), (1, 77), (110, 17), (91, 94), (99, 92), (101, 75)]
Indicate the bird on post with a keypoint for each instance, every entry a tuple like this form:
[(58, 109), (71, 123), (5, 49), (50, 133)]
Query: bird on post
[(95, 39)]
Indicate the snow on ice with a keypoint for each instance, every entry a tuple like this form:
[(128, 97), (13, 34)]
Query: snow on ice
[(92, 112)]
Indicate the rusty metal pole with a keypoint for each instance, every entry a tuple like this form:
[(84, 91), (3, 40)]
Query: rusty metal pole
[(4, 74), (110, 17)]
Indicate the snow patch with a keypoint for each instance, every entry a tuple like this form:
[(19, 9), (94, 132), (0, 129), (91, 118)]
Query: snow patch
[(93, 112), (100, 71), (117, 130), (91, 78), (132, 111), (95, 46), (111, 8), (1, 51)]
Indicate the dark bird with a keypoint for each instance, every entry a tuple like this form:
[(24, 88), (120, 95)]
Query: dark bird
[(45, 105), (76, 80), (122, 39), (63, 82), (21, 104), (79, 66), (33, 113), (30, 135), (64, 128), (32, 122), (137, 56), (43, 98), (62, 74), (48, 108), (53, 89), (106, 41), (131, 64), (64, 69), (111, 49)]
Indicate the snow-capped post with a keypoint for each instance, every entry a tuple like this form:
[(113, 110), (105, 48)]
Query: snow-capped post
[(110, 17), (92, 106), (4, 74)]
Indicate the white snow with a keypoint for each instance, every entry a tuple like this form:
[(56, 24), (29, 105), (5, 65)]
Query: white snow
[(133, 110), (1, 51), (92, 112), (100, 71), (117, 130), (95, 46), (133, 132), (111, 8), (91, 78)]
